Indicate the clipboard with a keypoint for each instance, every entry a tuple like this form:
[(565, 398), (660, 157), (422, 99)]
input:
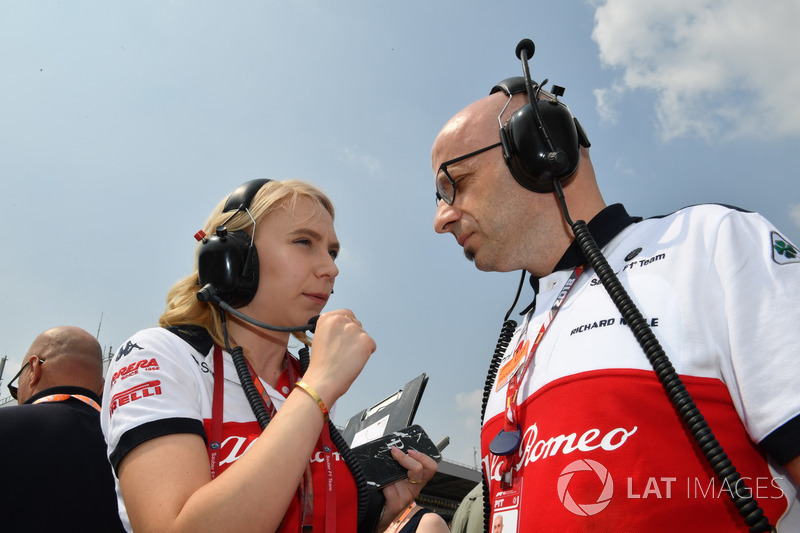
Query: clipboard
[(392, 414)]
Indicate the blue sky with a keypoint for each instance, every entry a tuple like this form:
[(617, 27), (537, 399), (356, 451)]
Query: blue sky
[(123, 123)]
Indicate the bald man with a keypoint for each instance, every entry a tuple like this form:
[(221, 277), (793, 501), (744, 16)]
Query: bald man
[(497, 524), (53, 450), (578, 432)]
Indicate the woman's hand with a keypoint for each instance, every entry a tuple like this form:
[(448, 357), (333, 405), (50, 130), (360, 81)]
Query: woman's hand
[(399, 494), (340, 350)]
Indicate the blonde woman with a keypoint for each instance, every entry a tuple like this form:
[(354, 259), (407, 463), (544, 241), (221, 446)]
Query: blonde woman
[(191, 448)]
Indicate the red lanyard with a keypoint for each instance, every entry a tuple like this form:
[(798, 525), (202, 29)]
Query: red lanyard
[(306, 488), (64, 397), (215, 442), (292, 368), (507, 441)]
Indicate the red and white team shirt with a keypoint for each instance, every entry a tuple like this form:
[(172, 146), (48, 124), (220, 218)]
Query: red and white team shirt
[(602, 447), (158, 384)]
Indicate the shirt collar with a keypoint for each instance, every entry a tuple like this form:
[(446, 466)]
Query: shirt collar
[(64, 389), (605, 225)]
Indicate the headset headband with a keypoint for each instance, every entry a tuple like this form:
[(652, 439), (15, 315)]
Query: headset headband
[(509, 86), (243, 195)]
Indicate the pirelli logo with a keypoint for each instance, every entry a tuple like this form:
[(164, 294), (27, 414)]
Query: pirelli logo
[(150, 388)]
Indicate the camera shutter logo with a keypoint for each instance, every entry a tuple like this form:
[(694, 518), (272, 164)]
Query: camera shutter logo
[(585, 509)]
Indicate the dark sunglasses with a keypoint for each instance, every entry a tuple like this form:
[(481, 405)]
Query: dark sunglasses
[(13, 388)]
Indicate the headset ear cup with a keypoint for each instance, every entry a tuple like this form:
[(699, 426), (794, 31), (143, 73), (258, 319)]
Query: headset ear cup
[(564, 133), (229, 262), (528, 156), (526, 152)]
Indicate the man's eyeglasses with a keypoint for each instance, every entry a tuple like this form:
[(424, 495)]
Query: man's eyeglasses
[(13, 388), (445, 185)]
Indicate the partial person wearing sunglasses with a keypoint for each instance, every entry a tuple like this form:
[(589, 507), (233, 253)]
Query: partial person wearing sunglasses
[(53, 450)]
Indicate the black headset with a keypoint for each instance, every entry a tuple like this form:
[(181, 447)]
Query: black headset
[(542, 142), (228, 260)]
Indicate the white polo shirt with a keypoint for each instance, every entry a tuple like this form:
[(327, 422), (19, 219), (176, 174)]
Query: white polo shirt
[(602, 446)]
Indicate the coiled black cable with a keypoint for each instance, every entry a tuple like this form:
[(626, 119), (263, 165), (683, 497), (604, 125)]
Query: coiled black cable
[(263, 418), (344, 450), (249, 388), (738, 490), (506, 333), (722, 466)]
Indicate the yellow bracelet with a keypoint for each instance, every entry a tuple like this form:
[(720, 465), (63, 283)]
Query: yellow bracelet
[(311, 392)]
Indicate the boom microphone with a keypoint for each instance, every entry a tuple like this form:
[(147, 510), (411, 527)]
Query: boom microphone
[(209, 294), (557, 160), (527, 46)]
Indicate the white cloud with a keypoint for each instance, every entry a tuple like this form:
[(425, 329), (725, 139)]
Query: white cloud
[(794, 214), (719, 68), (369, 163), (469, 401), (607, 100), (622, 166)]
